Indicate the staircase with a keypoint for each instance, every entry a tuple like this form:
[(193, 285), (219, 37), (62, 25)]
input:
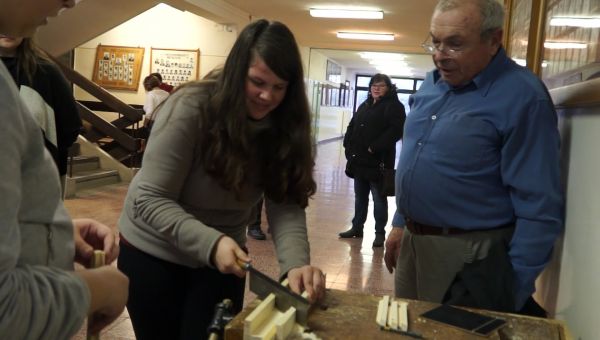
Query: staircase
[(91, 169)]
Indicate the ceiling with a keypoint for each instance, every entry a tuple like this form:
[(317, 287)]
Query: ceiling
[(407, 20)]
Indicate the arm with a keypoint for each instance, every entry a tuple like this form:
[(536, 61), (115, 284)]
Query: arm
[(394, 239), (530, 169), (68, 122), (169, 159), (394, 115), (35, 300), (288, 227)]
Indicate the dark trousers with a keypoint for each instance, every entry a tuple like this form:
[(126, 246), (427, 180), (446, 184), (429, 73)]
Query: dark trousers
[(362, 188), (170, 301), (258, 215)]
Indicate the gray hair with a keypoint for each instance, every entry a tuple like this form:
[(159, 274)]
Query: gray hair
[(492, 13)]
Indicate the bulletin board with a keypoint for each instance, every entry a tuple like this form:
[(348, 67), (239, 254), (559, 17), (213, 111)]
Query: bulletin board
[(118, 67), (175, 66)]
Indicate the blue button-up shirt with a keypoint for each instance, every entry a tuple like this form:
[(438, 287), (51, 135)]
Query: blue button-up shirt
[(482, 156)]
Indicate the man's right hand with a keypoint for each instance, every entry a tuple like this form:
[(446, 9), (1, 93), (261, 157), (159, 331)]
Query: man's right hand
[(392, 248)]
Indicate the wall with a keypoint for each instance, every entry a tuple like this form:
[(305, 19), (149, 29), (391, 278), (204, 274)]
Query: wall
[(330, 122), (162, 27), (579, 278)]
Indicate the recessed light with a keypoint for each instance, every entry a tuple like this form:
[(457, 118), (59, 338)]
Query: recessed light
[(365, 36), (346, 13)]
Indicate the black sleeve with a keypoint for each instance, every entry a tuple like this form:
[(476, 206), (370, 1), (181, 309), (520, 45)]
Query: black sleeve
[(68, 122), (395, 116)]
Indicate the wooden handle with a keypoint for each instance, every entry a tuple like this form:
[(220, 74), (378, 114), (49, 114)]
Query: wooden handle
[(98, 260)]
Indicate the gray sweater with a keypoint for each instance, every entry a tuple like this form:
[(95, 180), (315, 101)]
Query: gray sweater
[(40, 296), (176, 212)]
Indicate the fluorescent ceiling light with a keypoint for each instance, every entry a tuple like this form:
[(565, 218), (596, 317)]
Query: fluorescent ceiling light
[(365, 36), (523, 62), (381, 56), (394, 63), (562, 45), (346, 13), (588, 22)]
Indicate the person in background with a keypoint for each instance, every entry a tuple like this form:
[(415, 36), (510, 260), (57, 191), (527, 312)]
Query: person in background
[(163, 86), (479, 167), (46, 93), (254, 229), (154, 97), (369, 143), (41, 296), (217, 146)]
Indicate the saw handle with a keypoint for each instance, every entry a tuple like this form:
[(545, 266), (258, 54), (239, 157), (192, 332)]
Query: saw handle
[(243, 265)]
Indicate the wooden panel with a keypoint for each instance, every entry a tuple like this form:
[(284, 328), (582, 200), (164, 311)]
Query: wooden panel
[(346, 315)]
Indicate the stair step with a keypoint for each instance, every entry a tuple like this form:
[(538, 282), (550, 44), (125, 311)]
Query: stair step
[(85, 163), (93, 179)]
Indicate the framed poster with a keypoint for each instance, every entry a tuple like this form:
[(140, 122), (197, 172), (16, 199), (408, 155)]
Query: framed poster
[(118, 67), (175, 66)]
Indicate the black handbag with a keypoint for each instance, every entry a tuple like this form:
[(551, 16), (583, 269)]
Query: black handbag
[(387, 181)]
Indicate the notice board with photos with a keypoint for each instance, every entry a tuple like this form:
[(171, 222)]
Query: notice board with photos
[(175, 66), (118, 67)]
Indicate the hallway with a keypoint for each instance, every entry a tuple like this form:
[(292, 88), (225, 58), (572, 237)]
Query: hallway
[(350, 264)]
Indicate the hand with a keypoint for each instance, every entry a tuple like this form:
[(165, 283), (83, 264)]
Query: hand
[(109, 290), (308, 278), (227, 254), (92, 235), (392, 248)]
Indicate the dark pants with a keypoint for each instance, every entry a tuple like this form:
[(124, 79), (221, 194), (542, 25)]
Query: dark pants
[(258, 216), (170, 301), (362, 188)]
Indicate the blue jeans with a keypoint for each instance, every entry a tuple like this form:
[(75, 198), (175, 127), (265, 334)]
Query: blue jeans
[(362, 188)]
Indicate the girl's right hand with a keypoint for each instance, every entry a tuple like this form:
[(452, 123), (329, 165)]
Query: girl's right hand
[(227, 254)]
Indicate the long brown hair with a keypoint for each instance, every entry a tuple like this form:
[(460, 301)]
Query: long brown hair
[(285, 151), (28, 57)]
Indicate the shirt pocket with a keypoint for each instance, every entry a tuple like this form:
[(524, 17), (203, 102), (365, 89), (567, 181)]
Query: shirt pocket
[(464, 143)]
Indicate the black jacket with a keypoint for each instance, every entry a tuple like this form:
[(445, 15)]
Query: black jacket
[(51, 85), (377, 126)]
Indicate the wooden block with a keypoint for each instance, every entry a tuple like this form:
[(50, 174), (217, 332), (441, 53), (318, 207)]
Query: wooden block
[(285, 324), (403, 315), (259, 324), (382, 311), (392, 320)]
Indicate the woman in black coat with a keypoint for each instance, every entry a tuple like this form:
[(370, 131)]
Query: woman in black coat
[(370, 140)]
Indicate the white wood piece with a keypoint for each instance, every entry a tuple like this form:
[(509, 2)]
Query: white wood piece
[(392, 320), (266, 322), (403, 315), (284, 324), (260, 323), (382, 311)]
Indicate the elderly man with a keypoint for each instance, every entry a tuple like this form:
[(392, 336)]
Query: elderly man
[(479, 168)]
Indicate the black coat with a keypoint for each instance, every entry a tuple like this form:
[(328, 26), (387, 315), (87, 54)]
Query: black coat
[(377, 126)]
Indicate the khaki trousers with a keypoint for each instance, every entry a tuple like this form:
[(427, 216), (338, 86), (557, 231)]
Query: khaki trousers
[(428, 264)]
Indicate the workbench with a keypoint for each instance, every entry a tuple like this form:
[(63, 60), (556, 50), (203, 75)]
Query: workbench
[(349, 315)]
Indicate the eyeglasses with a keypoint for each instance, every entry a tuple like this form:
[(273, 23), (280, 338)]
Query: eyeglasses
[(378, 86), (430, 47)]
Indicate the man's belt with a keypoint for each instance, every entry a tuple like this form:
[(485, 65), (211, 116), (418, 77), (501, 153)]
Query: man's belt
[(424, 229)]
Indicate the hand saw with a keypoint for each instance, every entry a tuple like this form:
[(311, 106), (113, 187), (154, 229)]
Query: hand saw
[(262, 285)]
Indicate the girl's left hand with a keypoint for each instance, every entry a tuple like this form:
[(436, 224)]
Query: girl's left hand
[(310, 279)]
